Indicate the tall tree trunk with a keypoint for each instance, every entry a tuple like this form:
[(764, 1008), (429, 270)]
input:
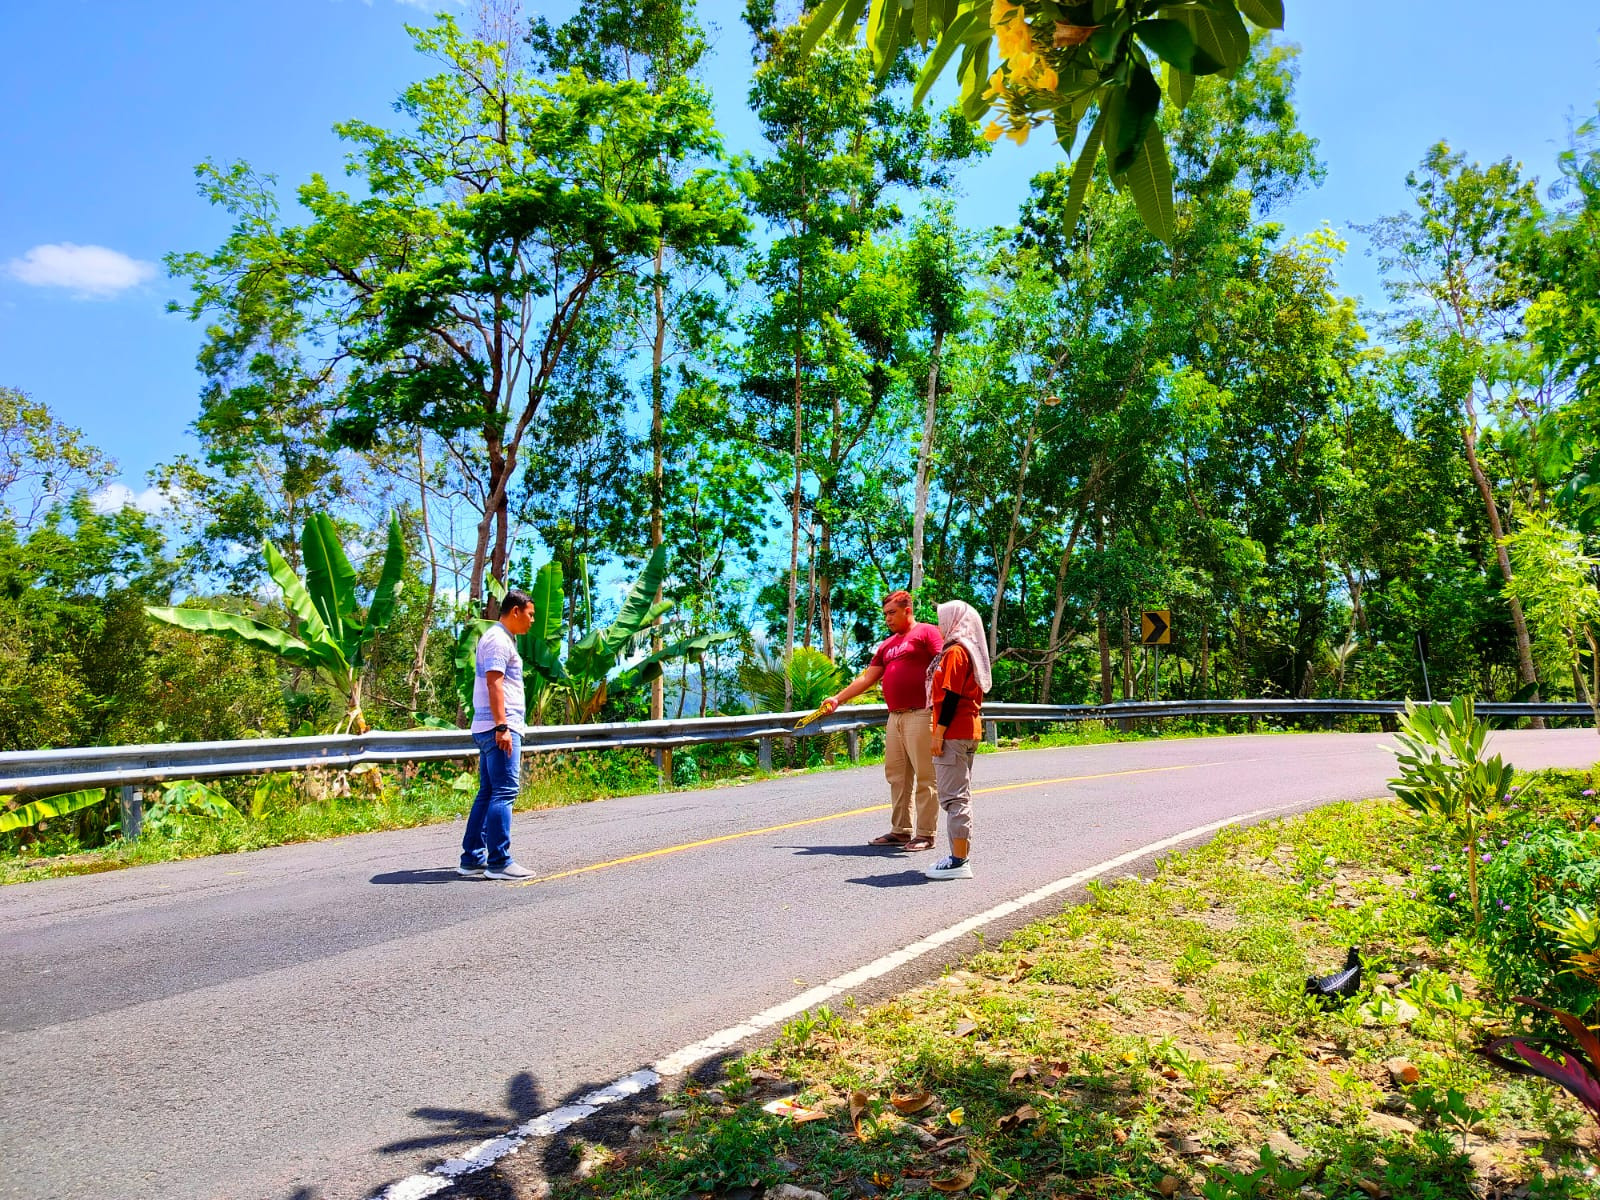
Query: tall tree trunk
[(924, 460), (1497, 531), (1127, 655), (824, 587), (794, 499), (1052, 648), (1011, 543), (414, 676), (658, 352), (1104, 632), (1202, 683)]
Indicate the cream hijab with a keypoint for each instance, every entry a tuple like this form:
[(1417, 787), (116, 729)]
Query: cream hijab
[(959, 624)]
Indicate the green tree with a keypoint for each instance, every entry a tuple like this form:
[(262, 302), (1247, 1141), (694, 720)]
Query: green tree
[(447, 292)]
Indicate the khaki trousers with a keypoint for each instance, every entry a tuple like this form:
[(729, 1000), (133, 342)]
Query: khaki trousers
[(908, 764), (953, 769)]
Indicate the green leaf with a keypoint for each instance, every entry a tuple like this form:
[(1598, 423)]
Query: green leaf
[(849, 18), (1149, 178), (1180, 86), (639, 608), (968, 27), (1083, 172), (381, 611), (887, 28), (295, 597), (1170, 39), (821, 20), (330, 578), (496, 588), (42, 810), (1268, 14), (544, 636), (1134, 108), (920, 22), (1221, 41), (974, 77), (650, 667), (243, 629)]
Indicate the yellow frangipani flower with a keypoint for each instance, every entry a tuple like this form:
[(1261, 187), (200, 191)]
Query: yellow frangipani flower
[(1014, 39), (992, 131), (1002, 11), (1046, 79), (1020, 134)]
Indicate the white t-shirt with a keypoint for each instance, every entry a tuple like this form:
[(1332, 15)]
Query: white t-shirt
[(497, 651)]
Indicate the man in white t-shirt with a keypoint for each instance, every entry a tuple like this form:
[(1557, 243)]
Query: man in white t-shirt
[(498, 712)]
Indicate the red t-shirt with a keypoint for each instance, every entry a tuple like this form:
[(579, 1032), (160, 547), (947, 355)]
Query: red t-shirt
[(904, 658)]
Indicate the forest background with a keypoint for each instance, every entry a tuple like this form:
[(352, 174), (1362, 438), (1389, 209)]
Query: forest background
[(806, 378)]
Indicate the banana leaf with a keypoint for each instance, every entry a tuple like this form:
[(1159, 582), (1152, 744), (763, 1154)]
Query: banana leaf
[(381, 611), (42, 810), (542, 643), (651, 667), (295, 597), (330, 579), (323, 656)]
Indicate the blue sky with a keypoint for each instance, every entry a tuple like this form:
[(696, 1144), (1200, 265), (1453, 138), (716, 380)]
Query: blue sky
[(110, 105)]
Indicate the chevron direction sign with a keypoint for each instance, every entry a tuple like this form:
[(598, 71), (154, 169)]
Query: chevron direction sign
[(1155, 627)]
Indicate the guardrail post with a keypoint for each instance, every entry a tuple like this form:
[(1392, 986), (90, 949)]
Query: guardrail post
[(132, 811), (991, 732), (852, 744), (764, 754)]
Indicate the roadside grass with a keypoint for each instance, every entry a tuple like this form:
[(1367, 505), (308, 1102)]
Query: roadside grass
[(1155, 1040), (328, 808)]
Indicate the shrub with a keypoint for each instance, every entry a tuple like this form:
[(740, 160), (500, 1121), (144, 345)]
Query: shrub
[(1530, 887)]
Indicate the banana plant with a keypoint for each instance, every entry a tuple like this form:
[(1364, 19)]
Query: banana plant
[(594, 667), (332, 637)]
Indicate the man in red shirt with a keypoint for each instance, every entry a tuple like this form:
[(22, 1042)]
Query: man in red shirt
[(901, 662)]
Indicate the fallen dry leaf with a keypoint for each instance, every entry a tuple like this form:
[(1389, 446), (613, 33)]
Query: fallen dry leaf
[(914, 1103), (798, 1113), (1021, 1073), (1011, 1120), (966, 1028), (1370, 1188), (1119, 1136), (949, 1141), (959, 1181), (1020, 971), (858, 1105)]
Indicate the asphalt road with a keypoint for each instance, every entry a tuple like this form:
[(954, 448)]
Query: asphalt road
[(320, 1020)]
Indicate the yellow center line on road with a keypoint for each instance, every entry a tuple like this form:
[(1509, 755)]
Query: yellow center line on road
[(854, 812)]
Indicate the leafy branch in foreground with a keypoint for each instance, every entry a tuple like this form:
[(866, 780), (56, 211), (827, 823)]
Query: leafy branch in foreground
[(1041, 60), (1573, 1067), (332, 638), (26, 815)]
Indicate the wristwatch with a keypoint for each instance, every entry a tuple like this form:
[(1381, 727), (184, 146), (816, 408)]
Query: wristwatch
[(501, 729)]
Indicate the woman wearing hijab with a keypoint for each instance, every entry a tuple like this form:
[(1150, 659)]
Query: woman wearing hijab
[(958, 680)]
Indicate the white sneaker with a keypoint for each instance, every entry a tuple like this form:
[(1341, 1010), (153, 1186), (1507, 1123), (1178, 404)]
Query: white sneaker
[(950, 868), (470, 872), (510, 871)]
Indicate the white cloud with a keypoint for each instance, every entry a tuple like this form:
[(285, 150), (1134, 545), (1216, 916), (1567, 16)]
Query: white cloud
[(116, 496), (86, 270)]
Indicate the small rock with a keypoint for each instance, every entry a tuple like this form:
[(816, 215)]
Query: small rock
[(1402, 1070), (1393, 1102), (1184, 1144), (1389, 979), (1286, 1148), (788, 1191), (636, 1134), (1405, 1012), (787, 1165), (1390, 1124), (923, 1136), (1169, 1185), (713, 1096), (673, 1117), (593, 1156)]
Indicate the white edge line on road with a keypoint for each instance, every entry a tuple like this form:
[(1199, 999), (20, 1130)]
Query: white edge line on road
[(486, 1154)]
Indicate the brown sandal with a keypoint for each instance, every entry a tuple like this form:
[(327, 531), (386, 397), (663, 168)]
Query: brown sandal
[(890, 839), (919, 843)]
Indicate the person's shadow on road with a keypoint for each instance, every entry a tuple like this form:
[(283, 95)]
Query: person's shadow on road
[(424, 875), (908, 878), (847, 851)]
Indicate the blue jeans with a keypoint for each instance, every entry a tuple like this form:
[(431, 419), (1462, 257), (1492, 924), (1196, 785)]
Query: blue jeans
[(488, 839)]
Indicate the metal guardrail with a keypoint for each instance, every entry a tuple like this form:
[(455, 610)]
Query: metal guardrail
[(47, 771)]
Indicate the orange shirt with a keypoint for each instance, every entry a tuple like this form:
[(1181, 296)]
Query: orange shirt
[(953, 676)]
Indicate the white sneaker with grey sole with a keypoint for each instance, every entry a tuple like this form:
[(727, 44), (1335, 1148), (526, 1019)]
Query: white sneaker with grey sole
[(950, 868), (510, 871), (470, 872)]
